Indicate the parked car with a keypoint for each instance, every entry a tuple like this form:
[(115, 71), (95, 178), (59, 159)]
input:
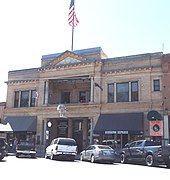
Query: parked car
[(100, 153), (3, 148), (164, 154), (145, 151), (26, 148), (62, 148), (114, 144)]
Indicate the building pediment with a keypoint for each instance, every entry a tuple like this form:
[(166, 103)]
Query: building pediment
[(66, 58)]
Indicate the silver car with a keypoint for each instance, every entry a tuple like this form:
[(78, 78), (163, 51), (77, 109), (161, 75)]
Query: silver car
[(100, 153)]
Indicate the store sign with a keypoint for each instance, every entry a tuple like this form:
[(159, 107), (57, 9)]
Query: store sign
[(116, 132), (156, 128)]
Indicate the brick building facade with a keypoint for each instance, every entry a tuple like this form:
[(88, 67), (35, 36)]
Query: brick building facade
[(2, 106), (104, 97)]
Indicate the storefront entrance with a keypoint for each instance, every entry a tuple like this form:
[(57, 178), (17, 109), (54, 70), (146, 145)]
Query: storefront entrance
[(78, 133), (76, 128)]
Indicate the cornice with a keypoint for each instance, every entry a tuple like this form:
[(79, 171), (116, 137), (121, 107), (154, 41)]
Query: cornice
[(22, 81)]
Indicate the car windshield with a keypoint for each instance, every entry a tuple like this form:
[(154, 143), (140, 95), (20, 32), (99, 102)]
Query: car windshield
[(69, 142), (26, 143), (104, 147)]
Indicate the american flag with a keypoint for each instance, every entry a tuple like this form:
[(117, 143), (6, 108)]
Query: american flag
[(72, 19)]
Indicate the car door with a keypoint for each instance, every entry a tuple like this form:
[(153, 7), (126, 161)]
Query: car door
[(88, 152), (49, 148), (137, 150), (131, 150)]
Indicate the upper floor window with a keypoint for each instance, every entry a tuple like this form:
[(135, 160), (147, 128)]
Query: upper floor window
[(110, 93), (33, 98), (134, 91), (65, 97), (122, 92), (156, 84), (82, 96), (16, 99), (24, 98)]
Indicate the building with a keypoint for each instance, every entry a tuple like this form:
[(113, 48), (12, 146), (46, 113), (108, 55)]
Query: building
[(2, 107), (100, 97), (166, 94)]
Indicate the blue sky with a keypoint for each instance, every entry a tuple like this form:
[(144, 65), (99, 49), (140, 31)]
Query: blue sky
[(32, 28)]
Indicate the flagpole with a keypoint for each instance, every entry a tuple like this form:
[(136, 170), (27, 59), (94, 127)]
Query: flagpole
[(72, 41), (73, 21)]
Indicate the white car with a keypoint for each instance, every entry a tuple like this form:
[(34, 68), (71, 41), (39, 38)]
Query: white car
[(65, 148)]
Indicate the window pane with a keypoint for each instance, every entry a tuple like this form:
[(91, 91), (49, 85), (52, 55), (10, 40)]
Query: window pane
[(16, 99), (122, 92), (82, 96), (110, 93), (156, 85), (134, 91), (33, 98), (65, 97), (24, 98)]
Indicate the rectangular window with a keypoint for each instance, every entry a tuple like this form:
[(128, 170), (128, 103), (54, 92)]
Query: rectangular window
[(65, 97), (16, 99), (110, 93), (82, 96), (122, 92), (134, 91), (156, 85), (24, 98), (33, 98)]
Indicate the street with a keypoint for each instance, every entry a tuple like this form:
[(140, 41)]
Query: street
[(41, 168)]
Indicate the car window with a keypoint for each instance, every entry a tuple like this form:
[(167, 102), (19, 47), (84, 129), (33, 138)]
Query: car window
[(26, 143), (132, 144), (89, 148), (55, 141), (139, 144), (104, 147), (152, 143), (69, 142)]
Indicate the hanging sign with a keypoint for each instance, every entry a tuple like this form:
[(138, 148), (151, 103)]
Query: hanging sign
[(156, 128)]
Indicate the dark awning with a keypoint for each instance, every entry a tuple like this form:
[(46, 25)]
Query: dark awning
[(22, 123), (125, 123)]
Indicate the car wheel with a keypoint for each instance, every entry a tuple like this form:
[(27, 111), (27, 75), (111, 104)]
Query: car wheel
[(33, 156), (52, 156), (168, 165), (17, 155), (123, 159), (112, 162), (81, 157), (149, 160), (46, 157), (92, 159)]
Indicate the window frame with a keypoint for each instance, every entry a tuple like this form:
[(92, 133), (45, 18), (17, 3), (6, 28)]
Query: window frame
[(22, 99), (156, 87), (122, 93)]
